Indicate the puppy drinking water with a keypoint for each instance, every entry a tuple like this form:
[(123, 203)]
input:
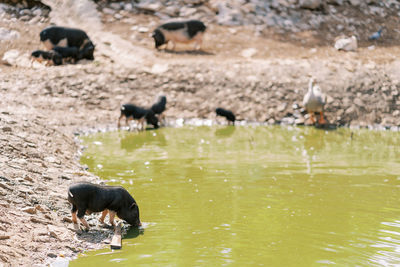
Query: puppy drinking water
[(130, 111), (227, 114)]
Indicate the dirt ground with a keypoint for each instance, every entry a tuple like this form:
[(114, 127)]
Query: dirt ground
[(262, 77)]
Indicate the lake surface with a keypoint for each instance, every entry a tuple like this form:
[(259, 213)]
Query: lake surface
[(245, 196)]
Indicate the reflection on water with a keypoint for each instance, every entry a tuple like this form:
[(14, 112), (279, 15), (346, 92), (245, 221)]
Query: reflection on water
[(225, 131), (274, 196), (130, 141)]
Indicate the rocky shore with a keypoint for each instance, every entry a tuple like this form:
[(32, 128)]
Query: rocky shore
[(261, 74)]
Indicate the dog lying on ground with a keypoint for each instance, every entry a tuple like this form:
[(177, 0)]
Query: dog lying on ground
[(130, 111), (48, 56), (227, 114), (67, 53), (179, 32), (159, 107), (68, 37)]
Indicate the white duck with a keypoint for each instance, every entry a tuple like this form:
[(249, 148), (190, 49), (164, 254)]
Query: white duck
[(314, 101)]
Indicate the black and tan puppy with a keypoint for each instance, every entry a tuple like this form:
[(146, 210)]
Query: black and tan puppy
[(68, 53), (159, 107), (130, 111), (86, 51), (67, 37), (179, 32), (115, 200), (48, 56), (227, 114)]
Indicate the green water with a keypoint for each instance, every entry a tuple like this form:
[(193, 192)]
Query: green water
[(245, 196)]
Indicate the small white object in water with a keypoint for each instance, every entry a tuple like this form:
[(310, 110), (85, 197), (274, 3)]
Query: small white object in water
[(97, 143)]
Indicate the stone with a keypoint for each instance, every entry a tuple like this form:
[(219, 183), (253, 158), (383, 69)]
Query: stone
[(115, 6), (128, 7), (41, 209), (118, 16), (248, 53), (355, 2), (172, 11), (310, 4), (28, 178), (351, 110), (108, 11), (7, 129), (30, 210), (282, 107), (10, 57), (52, 160), (25, 12), (346, 43), (4, 237), (25, 18), (52, 231), (3, 185), (358, 102), (299, 121), (151, 7), (51, 255), (7, 34), (67, 220), (143, 29), (335, 2), (37, 12), (159, 68)]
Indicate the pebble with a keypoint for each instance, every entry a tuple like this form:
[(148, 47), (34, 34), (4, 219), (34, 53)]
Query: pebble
[(30, 210), (7, 34), (7, 129), (3, 185), (4, 237)]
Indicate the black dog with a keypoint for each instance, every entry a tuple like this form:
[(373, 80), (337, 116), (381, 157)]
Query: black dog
[(87, 51), (53, 56), (159, 107), (68, 37), (227, 114), (130, 111), (115, 200), (179, 32), (67, 52)]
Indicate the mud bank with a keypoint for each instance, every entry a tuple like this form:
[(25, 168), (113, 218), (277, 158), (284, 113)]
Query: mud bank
[(42, 109)]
